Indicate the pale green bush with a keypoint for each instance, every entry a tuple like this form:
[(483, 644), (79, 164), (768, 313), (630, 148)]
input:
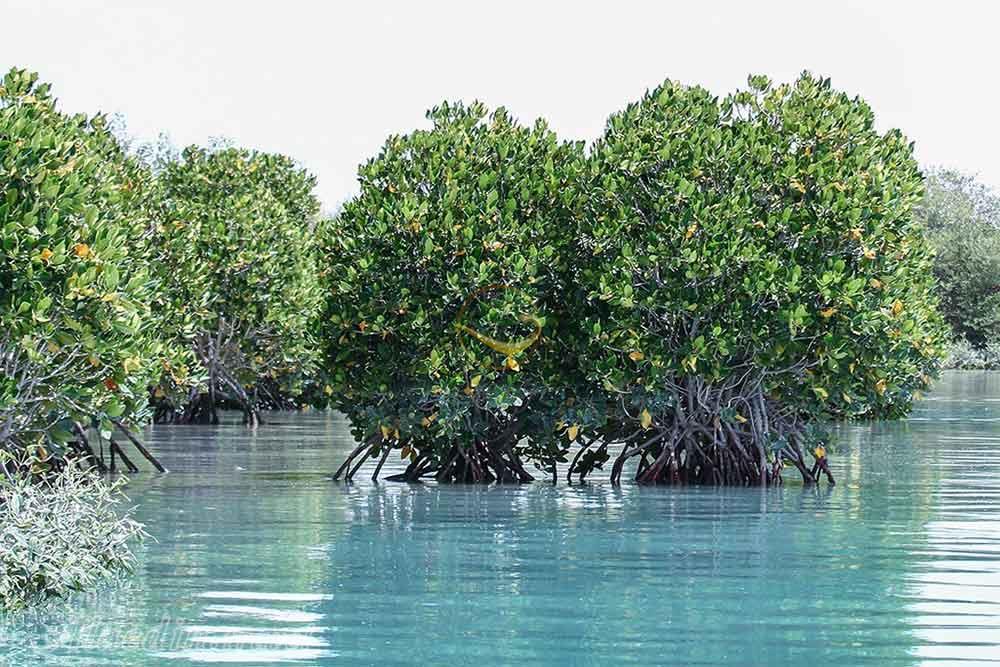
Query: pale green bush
[(963, 356), (61, 533)]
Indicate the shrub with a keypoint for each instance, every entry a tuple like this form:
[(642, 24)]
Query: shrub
[(239, 279), (752, 267), (962, 356), (60, 534), (446, 277), (716, 279), (77, 341)]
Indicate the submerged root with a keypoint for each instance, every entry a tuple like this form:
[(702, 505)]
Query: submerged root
[(730, 433), (220, 353), (683, 459), (479, 463), (721, 435), (483, 463), (81, 449), (203, 407)]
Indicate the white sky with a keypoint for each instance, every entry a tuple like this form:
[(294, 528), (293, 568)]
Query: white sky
[(326, 82)]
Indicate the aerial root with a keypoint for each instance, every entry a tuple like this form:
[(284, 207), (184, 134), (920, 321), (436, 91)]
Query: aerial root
[(478, 463)]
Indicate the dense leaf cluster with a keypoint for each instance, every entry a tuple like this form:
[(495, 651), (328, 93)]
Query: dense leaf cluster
[(191, 277), (446, 282), (963, 221), (236, 262), (77, 340), (60, 534), (769, 232), (709, 263)]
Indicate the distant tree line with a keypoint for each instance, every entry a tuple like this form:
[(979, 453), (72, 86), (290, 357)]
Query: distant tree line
[(962, 217)]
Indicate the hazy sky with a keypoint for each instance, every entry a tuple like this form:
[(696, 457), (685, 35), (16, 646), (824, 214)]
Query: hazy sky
[(325, 82)]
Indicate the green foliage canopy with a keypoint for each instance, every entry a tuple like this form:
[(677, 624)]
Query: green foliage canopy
[(77, 342), (963, 218), (751, 261), (768, 233), (458, 241), (236, 261)]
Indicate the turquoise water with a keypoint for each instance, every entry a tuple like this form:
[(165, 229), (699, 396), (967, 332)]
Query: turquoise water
[(261, 559)]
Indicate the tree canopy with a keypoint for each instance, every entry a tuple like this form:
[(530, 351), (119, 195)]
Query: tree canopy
[(752, 266), (445, 278), (963, 219), (239, 284), (712, 279), (697, 291), (77, 340)]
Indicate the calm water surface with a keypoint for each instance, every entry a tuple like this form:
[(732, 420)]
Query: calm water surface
[(261, 559)]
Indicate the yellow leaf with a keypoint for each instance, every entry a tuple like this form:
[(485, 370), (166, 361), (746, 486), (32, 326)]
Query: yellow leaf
[(425, 422), (822, 393), (511, 364), (508, 348), (897, 307), (45, 255), (869, 253), (819, 452), (474, 382), (386, 431), (880, 387), (741, 419), (66, 168), (93, 361), (691, 362), (82, 250), (828, 312), (855, 234), (573, 431), (876, 283), (636, 355), (53, 348), (645, 418), (690, 231), (328, 390), (132, 364)]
